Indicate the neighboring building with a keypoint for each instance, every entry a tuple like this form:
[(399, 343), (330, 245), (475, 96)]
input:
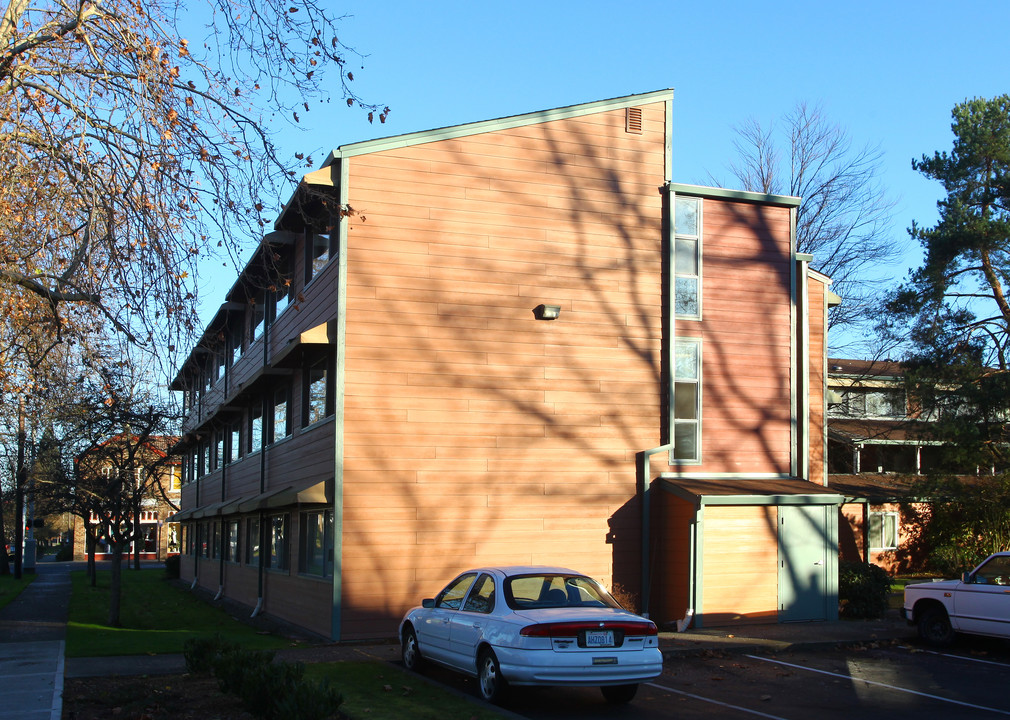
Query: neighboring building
[(158, 537), (878, 443), (515, 341)]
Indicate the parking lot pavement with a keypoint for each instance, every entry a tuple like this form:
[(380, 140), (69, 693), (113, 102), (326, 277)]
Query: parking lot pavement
[(872, 682)]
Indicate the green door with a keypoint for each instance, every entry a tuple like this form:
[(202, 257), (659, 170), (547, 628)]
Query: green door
[(803, 542)]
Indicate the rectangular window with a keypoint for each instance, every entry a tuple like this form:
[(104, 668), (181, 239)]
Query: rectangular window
[(316, 543), (174, 478), (235, 342), (687, 257), (282, 296), (252, 542), (883, 530), (218, 449), (204, 529), (231, 548), (280, 421), (278, 542), (318, 252), (235, 441), (215, 543), (203, 459), (318, 396), (257, 315), (255, 429), (687, 401)]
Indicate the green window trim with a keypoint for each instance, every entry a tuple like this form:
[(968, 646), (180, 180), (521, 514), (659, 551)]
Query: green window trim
[(687, 251), (686, 402)]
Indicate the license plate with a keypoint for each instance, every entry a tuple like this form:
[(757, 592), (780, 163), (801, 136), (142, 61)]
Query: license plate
[(599, 638)]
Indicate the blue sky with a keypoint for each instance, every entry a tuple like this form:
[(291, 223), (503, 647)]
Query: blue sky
[(888, 72)]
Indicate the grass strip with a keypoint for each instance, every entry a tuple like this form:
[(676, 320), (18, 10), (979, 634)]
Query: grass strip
[(11, 588), (379, 691), (156, 616)]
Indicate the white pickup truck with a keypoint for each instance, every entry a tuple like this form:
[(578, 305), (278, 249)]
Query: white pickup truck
[(978, 603)]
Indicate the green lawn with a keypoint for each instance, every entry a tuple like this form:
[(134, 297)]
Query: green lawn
[(157, 617), (379, 691), (11, 588)]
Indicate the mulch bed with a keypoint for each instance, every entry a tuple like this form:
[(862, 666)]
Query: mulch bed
[(180, 697)]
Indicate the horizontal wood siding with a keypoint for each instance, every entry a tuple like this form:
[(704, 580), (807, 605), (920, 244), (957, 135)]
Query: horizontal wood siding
[(671, 522), (817, 355), (740, 560), (745, 329), (475, 434)]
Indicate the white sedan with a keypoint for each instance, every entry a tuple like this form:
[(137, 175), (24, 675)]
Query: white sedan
[(532, 626)]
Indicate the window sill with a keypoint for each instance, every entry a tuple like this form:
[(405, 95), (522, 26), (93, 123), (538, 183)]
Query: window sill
[(317, 423), (318, 578), (283, 440)]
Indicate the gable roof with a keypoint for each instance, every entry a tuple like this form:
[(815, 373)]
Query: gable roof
[(503, 123)]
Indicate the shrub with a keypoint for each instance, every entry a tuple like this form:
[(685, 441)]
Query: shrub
[(236, 668), (65, 553), (863, 589), (172, 566), (311, 700), (202, 654), (265, 687)]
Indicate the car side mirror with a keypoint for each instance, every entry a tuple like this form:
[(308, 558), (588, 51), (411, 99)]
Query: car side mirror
[(428, 603), (966, 578)]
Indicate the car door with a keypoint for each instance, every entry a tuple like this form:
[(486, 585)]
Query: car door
[(467, 626), (982, 605), (433, 630)]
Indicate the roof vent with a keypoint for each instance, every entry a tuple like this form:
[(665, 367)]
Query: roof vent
[(633, 120)]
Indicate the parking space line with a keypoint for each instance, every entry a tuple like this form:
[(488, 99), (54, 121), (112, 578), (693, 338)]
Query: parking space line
[(959, 657), (714, 702), (880, 684)]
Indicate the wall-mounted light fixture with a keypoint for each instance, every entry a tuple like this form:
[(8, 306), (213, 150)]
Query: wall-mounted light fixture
[(546, 312)]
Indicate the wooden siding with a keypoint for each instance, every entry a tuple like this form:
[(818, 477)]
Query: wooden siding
[(740, 560), (746, 341), (671, 592), (817, 355), (474, 433)]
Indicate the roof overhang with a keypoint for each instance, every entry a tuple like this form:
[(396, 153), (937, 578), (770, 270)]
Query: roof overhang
[(749, 491), (317, 338)]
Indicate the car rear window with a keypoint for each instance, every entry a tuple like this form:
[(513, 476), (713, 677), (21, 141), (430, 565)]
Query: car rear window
[(530, 592)]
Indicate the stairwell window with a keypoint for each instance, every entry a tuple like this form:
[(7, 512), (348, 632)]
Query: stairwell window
[(687, 257), (687, 401)]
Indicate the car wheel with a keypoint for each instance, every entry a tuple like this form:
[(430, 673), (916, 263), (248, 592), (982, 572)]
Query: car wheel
[(619, 694), (409, 651), (935, 628), (490, 682)]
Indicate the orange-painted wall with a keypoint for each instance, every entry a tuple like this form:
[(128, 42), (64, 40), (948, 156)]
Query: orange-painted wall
[(476, 434)]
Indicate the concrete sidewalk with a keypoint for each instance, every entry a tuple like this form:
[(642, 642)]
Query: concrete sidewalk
[(32, 630)]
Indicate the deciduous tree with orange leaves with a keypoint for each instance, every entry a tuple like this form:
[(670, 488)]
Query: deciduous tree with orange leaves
[(136, 144)]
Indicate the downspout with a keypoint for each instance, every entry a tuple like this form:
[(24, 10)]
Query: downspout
[(220, 573), (644, 488), (263, 482), (692, 599), (803, 365)]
